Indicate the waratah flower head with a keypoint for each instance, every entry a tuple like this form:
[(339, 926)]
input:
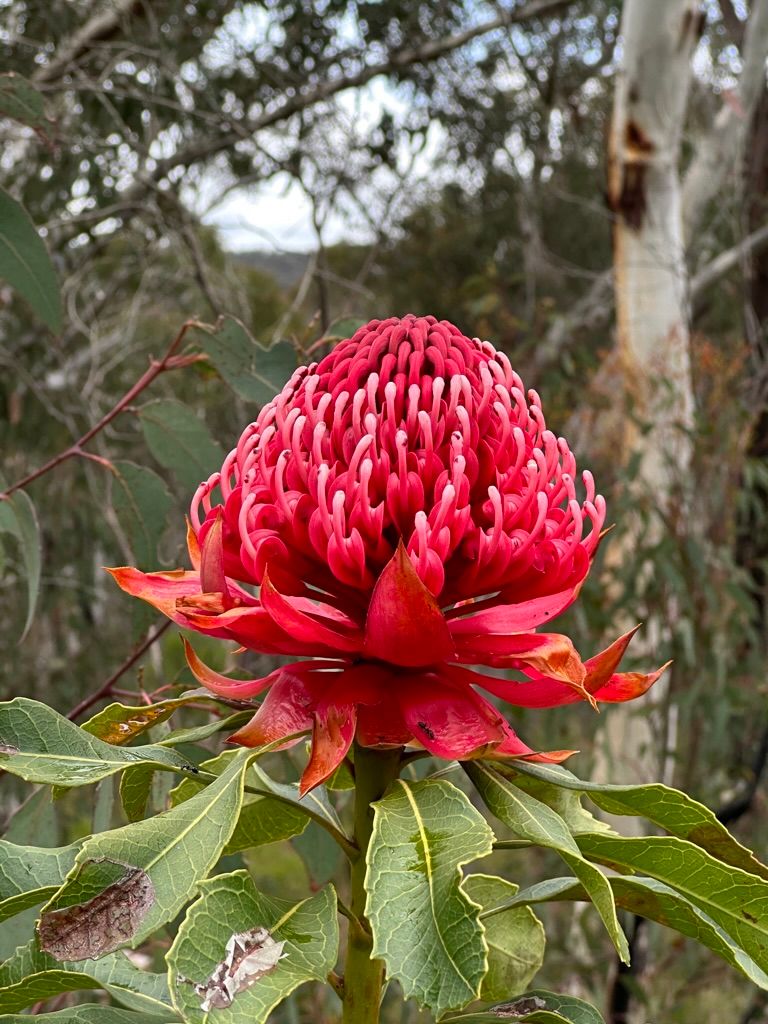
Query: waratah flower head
[(405, 513)]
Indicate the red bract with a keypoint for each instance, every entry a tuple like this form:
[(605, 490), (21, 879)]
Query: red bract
[(406, 514)]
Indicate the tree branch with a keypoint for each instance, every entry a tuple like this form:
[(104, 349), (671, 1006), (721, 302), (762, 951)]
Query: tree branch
[(170, 361), (723, 145), (595, 309), (98, 28), (429, 51), (105, 690)]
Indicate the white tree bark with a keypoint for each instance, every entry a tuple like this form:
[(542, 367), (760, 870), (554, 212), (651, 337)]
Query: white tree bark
[(644, 193), (651, 293), (720, 151)]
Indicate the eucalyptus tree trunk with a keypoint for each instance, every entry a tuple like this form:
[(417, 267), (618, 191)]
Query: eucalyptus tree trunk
[(651, 293), (722, 148)]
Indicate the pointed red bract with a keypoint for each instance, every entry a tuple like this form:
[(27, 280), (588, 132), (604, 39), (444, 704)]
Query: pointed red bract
[(405, 625), (407, 515)]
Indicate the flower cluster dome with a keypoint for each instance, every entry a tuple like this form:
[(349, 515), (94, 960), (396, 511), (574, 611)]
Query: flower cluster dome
[(405, 514)]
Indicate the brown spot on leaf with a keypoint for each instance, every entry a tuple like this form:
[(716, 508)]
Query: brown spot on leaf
[(249, 956), (101, 924), (749, 917), (6, 748)]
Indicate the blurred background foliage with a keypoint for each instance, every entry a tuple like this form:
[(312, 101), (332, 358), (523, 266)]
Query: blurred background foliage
[(450, 156)]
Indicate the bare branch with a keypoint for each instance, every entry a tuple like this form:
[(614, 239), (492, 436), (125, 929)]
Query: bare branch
[(725, 262), (99, 27)]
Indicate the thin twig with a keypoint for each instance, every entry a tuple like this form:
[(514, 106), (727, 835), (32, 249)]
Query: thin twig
[(105, 690), (170, 361)]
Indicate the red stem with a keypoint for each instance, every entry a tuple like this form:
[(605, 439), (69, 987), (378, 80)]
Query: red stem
[(105, 690), (169, 362)]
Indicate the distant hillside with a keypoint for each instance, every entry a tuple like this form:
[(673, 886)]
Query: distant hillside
[(286, 267)]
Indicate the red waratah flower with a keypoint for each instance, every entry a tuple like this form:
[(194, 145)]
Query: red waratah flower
[(405, 514)]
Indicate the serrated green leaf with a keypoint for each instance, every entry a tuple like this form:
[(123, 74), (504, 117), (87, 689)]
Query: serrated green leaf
[(515, 940), (87, 1013), (25, 263), (231, 904), (565, 802), (314, 804), (732, 898), (128, 882), (675, 812), (30, 976), (18, 518), (255, 373), (261, 821), (530, 819), (40, 745), (650, 898), (21, 101), (141, 502), (31, 874), (425, 928), (536, 1007), (180, 441)]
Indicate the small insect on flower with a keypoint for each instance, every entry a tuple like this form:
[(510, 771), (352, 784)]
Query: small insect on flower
[(407, 517)]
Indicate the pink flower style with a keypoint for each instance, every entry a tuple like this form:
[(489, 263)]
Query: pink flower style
[(408, 518)]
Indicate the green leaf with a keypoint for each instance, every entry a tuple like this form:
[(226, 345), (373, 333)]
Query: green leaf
[(25, 263), (196, 733), (35, 822), (31, 874), (675, 812), (87, 1013), (20, 101), (180, 441), (135, 790), (141, 502), (321, 855), (30, 976), (230, 904), (425, 927), (262, 820), (255, 373), (734, 899), (128, 882), (533, 820), (338, 330), (652, 899), (18, 517), (536, 1007), (515, 940), (39, 745)]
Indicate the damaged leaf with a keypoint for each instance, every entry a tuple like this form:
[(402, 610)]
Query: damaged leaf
[(40, 745), (101, 924), (536, 1007), (249, 956), (289, 944), (147, 871)]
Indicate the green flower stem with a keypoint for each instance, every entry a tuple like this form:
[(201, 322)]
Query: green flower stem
[(364, 977)]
